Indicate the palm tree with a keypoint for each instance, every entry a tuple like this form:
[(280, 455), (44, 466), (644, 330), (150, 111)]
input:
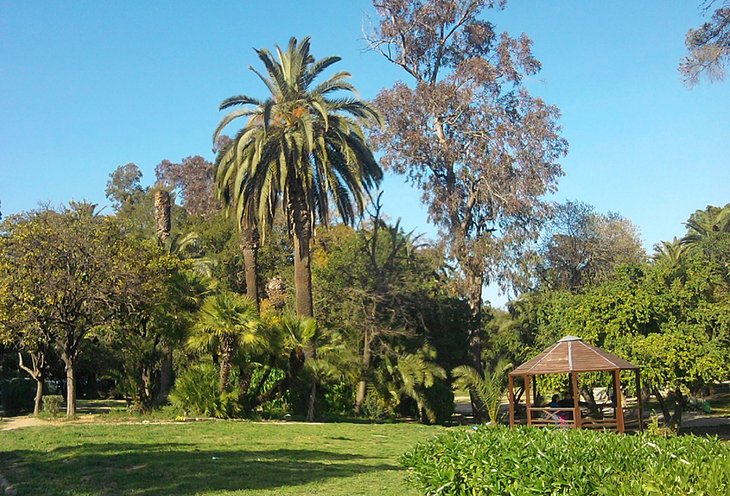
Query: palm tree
[(302, 150), (671, 252), (489, 387), (409, 375), (707, 224), (227, 322)]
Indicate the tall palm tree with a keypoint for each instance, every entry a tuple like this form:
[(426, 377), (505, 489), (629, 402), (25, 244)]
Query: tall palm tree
[(227, 322), (302, 149)]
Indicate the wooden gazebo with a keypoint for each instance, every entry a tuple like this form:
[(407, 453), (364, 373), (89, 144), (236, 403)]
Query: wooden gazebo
[(572, 355)]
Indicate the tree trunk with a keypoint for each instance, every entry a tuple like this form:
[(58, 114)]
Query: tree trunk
[(362, 385), (250, 246), (38, 395), (303, 270), (36, 372), (166, 376), (475, 283), (68, 361), (303, 281), (162, 214), (228, 349), (145, 392)]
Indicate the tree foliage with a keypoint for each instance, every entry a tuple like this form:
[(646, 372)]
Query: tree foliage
[(708, 46)]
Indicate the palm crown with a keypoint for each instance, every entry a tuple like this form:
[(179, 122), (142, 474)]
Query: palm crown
[(301, 145)]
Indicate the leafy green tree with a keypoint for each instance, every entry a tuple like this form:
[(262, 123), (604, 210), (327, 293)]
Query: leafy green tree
[(383, 290), (65, 274), (123, 188), (583, 247)]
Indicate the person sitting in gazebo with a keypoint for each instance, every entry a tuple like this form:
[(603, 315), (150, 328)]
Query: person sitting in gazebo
[(566, 402)]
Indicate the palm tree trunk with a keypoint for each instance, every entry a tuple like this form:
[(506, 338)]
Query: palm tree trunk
[(303, 270), (162, 214), (250, 246), (301, 219), (228, 350)]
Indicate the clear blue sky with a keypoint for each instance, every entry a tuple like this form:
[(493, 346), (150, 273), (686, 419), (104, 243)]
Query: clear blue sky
[(86, 86)]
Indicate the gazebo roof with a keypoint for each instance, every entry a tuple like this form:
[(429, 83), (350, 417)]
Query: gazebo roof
[(572, 354)]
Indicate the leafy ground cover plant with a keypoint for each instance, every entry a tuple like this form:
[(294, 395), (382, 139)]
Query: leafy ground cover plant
[(577, 462)]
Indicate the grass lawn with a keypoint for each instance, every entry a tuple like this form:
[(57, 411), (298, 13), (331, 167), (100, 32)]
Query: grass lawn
[(216, 457)]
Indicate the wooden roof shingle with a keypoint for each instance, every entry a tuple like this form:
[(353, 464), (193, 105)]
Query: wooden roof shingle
[(572, 354)]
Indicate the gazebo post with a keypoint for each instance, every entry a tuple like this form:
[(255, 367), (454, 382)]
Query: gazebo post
[(576, 400), (619, 407), (527, 399), (511, 382), (640, 414)]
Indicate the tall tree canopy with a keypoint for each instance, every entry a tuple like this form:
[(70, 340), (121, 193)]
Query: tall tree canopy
[(467, 132)]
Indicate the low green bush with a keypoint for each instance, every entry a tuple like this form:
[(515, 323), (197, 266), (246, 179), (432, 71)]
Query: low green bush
[(197, 392), (17, 395), (577, 462), (52, 404)]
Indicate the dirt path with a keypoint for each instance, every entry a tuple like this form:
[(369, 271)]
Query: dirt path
[(8, 424), (11, 423)]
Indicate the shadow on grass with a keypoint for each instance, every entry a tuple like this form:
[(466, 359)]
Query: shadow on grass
[(111, 469)]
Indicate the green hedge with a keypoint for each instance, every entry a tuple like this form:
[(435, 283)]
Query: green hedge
[(561, 462)]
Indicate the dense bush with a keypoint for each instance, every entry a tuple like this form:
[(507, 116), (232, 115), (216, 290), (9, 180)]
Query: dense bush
[(52, 404), (17, 395), (197, 393), (576, 462)]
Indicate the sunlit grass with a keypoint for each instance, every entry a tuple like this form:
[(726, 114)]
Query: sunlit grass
[(215, 457)]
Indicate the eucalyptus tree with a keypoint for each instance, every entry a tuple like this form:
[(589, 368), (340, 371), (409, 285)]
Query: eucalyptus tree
[(301, 149), (468, 133)]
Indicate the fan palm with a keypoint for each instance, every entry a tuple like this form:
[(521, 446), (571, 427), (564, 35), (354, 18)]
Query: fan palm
[(227, 322), (302, 149)]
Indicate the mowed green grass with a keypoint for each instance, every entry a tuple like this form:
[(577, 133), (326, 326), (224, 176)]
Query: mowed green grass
[(210, 458)]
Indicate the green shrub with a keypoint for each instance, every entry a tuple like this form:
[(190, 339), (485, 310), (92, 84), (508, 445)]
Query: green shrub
[(577, 462), (17, 395), (339, 399), (440, 398), (52, 404), (196, 392)]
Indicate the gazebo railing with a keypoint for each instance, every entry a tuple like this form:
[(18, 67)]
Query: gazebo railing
[(564, 418)]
